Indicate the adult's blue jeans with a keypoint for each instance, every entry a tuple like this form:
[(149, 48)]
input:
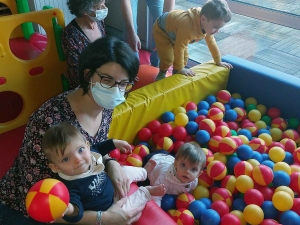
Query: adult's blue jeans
[(156, 10), (9, 216)]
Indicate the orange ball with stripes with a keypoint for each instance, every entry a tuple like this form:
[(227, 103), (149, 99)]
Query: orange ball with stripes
[(289, 145), (252, 127), (258, 144), (209, 155), (134, 160), (183, 200), (47, 200), (224, 195), (165, 143), (262, 175), (292, 134), (141, 150), (228, 146), (190, 106), (228, 182), (213, 143), (243, 168), (215, 114), (216, 170), (218, 105), (241, 113), (183, 216), (208, 125), (223, 131), (223, 96), (205, 180), (279, 122)]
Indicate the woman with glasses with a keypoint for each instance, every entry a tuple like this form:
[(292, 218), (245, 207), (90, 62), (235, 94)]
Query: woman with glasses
[(81, 31), (107, 68)]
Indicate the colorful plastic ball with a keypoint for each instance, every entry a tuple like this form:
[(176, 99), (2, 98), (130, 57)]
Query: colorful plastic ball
[(254, 196), (254, 115), (210, 217), (293, 123), (283, 167), (289, 145), (230, 115), (232, 161), (203, 105), (262, 109), (181, 119), (276, 154), (251, 127), (279, 122), (269, 222), (240, 215), (230, 219), (228, 182), (183, 200), (266, 137), (246, 133), (211, 99), (216, 170), (239, 204), (208, 125), (227, 146), (244, 139), (220, 207), (282, 201), (233, 125), (222, 131), (207, 202), (253, 214), (262, 175), (244, 183), (292, 134), (253, 162), (218, 105), (165, 143), (296, 206), (192, 115), (154, 125), (250, 107), (165, 130), (47, 200), (134, 160), (191, 127), (189, 138), (168, 202), (179, 109), (170, 212), (141, 150), (179, 133), (202, 137), (224, 195), (115, 154), (190, 106), (286, 189), (244, 152), (289, 218), (237, 103), (123, 158), (295, 182), (220, 157), (144, 134), (197, 208), (268, 163), (236, 96), (205, 181), (167, 117), (183, 216), (257, 156), (262, 127), (295, 167), (200, 118), (267, 119), (223, 96), (270, 212), (214, 142), (176, 146), (273, 112), (243, 168), (258, 145), (209, 155), (215, 114), (241, 113), (276, 134), (250, 100)]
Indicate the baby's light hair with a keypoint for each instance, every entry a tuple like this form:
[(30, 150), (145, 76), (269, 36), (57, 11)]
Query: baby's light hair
[(216, 10), (57, 137), (193, 153)]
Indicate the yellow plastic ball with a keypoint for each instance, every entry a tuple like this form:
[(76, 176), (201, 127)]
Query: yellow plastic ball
[(286, 189), (295, 168), (200, 192), (250, 100), (254, 115), (181, 119), (220, 157), (244, 139), (253, 214), (266, 137), (261, 124), (173, 124), (236, 96), (253, 162), (244, 183), (179, 109), (282, 166), (239, 215), (282, 201), (276, 134), (262, 109), (276, 154)]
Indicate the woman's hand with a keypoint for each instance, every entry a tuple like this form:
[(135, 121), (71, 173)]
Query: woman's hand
[(115, 215), (123, 146), (225, 64), (118, 177)]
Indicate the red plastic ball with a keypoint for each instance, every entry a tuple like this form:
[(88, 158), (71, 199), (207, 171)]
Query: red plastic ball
[(254, 196), (153, 126), (230, 219), (176, 146), (115, 154), (183, 200), (223, 96), (144, 134), (165, 130), (134, 160), (179, 133), (273, 112), (267, 192), (220, 207)]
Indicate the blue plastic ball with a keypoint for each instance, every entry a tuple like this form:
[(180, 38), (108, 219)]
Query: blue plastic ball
[(191, 127), (230, 115), (239, 204), (227, 106), (263, 131), (167, 117), (202, 137), (268, 163), (144, 143), (244, 152), (210, 217), (203, 105), (203, 112), (168, 202), (207, 202), (281, 178), (246, 133), (289, 158), (197, 208), (256, 155), (237, 103), (232, 161), (211, 99), (265, 156), (289, 218), (192, 115), (270, 212)]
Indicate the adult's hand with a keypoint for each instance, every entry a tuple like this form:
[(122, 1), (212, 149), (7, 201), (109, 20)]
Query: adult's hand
[(134, 41), (115, 215), (118, 177)]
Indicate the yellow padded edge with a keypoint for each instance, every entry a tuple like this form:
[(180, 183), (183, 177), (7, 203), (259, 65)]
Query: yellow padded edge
[(150, 102)]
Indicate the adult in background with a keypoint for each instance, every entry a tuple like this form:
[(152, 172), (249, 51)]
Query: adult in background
[(81, 31), (107, 69)]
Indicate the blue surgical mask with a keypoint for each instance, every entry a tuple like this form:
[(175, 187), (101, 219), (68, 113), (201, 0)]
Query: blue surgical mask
[(101, 14), (107, 98)]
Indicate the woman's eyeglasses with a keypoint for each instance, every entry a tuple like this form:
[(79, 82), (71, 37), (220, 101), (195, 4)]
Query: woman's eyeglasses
[(109, 82)]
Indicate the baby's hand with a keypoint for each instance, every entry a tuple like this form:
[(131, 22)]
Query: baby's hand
[(123, 146), (186, 72), (225, 64)]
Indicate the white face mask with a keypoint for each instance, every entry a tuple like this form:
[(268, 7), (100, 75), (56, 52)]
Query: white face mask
[(107, 98), (101, 14)]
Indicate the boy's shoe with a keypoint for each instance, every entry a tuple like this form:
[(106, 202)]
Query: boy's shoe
[(161, 75)]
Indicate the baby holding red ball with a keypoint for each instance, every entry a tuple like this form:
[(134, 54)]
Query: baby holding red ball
[(179, 174), (80, 167)]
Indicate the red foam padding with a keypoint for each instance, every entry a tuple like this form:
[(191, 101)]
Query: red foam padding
[(22, 49), (10, 143), (147, 75)]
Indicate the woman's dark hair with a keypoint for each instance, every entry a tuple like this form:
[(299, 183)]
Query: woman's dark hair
[(80, 7), (215, 10), (102, 51)]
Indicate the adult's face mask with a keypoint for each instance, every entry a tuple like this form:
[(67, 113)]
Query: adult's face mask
[(101, 14)]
